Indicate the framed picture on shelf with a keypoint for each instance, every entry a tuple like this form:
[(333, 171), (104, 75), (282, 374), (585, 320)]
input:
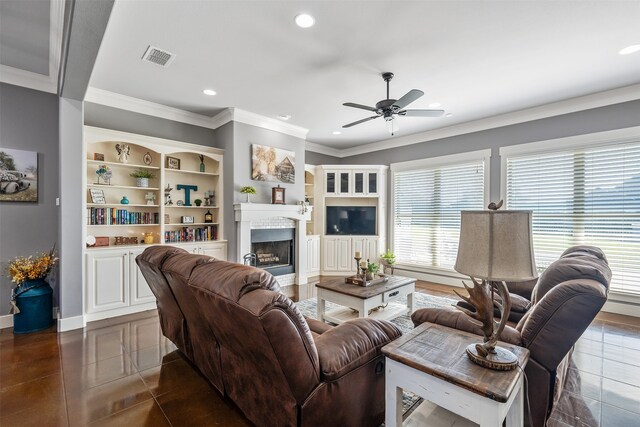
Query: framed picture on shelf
[(173, 163), (98, 156), (97, 196), (277, 195)]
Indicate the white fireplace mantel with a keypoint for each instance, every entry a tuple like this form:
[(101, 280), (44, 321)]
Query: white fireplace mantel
[(245, 213)]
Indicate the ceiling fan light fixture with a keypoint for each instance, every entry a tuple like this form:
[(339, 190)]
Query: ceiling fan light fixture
[(435, 105), (284, 117), (337, 132), (448, 115), (629, 49), (209, 92), (304, 20)]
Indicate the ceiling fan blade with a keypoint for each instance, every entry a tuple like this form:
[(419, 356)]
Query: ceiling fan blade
[(421, 113), (360, 121), (363, 107), (408, 98)]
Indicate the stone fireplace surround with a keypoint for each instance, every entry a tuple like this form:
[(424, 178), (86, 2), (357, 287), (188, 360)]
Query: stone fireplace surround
[(257, 216)]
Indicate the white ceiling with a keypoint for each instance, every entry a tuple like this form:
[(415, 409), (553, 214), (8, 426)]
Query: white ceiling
[(478, 58)]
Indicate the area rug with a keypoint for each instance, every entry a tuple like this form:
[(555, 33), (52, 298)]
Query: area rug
[(409, 400)]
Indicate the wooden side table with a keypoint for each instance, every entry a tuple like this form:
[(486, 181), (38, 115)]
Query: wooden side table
[(431, 362)]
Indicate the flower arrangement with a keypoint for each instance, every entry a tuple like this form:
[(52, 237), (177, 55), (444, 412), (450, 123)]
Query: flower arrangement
[(142, 173), (373, 268), (22, 269), (248, 190), (104, 173)]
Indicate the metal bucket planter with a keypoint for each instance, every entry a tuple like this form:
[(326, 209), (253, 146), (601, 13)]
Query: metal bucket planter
[(142, 182), (34, 300)]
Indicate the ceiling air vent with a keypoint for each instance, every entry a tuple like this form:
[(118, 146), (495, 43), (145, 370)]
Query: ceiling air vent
[(158, 56)]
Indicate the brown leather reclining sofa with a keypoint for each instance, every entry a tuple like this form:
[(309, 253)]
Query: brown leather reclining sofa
[(251, 342), (565, 300)]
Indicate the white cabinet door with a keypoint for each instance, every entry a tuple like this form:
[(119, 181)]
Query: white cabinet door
[(140, 291), (215, 250), (359, 183), (107, 280), (371, 249), (313, 255), (372, 183), (329, 254), (343, 182), (331, 183), (345, 261)]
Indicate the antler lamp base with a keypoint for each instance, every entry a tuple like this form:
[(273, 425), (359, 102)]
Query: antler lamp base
[(501, 360)]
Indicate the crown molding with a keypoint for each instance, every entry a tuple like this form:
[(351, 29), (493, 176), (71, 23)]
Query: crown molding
[(264, 122), (600, 99), (19, 77), (323, 149), (45, 83), (136, 105)]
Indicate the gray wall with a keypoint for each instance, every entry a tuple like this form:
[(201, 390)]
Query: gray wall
[(601, 119), (126, 121), (224, 140), (29, 121), (315, 159)]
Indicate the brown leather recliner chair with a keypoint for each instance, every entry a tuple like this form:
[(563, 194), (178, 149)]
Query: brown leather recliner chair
[(278, 367), (566, 299)]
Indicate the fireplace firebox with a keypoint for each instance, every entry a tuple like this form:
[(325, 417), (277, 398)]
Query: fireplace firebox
[(274, 250)]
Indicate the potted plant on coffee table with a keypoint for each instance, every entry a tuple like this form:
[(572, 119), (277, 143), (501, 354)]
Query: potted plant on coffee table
[(388, 259), (31, 299)]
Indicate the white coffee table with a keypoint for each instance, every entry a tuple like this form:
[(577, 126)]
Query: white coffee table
[(365, 298)]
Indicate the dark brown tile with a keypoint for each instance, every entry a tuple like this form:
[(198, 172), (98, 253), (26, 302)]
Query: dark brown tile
[(49, 416), (612, 416), (621, 395), (591, 347), (584, 384), (93, 346), (43, 393), (154, 356), (578, 411), (185, 407), (12, 373), (144, 333), (621, 335), (90, 405), (174, 376), (98, 373), (621, 354), (147, 414)]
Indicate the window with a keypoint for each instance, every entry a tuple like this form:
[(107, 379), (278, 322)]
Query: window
[(583, 195), (428, 196)]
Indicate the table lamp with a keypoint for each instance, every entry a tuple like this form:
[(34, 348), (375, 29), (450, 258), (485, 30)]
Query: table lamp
[(495, 246)]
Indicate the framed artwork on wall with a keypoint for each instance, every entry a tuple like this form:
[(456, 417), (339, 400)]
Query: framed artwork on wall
[(273, 164), (18, 175), (173, 162)]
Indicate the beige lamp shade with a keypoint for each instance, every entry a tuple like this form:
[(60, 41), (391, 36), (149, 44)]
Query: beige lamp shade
[(496, 245)]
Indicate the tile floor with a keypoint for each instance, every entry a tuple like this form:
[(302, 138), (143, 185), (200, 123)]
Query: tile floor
[(122, 371)]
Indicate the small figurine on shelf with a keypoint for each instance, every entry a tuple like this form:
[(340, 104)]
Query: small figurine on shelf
[(167, 195), (124, 200), (104, 173), (209, 198), (201, 157), (123, 152), (150, 197)]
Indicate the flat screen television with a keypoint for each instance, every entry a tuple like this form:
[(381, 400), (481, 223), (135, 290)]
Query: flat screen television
[(351, 220)]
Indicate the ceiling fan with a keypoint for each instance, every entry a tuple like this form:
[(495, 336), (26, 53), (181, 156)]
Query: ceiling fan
[(388, 108)]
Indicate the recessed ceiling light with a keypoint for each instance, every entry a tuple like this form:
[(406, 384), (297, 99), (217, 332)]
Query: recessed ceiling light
[(448, 115), (630, 49), (337, 132), (284, 116), (209, 92), (304, 20), (435, 105)]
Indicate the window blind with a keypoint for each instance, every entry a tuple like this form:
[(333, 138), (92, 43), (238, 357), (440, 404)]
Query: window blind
[(585, 196), (427, 205)]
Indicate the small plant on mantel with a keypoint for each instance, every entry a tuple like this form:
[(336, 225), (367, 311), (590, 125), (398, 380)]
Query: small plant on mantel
[(248, 190)]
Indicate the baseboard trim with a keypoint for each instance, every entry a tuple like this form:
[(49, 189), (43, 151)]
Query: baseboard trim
[(71, 323), (6, 321)]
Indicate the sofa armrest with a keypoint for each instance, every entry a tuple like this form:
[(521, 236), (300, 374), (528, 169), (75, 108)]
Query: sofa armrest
[(453, 318), (317, 326), (352, 344)]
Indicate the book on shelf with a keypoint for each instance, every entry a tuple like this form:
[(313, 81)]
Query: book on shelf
[(192, 234), (114, 216)]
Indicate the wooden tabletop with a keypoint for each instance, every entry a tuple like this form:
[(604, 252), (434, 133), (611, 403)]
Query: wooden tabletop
[(440, 351), (364, 292)]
